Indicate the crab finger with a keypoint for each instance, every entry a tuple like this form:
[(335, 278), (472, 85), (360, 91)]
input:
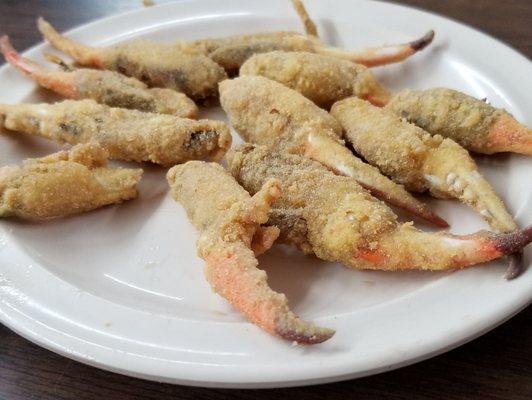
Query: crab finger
[(310, 26), (228, 219), (407, 248), (471, 122), (379, 55), (341, 160), (59, 81)]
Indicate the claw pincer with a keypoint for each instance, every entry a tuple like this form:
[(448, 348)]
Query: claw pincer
[(334, 218), (229, 220), (106, 87), (175, 66), (411, 156), (265, 112)]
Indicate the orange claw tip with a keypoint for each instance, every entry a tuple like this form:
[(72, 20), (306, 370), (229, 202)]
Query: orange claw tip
[(507, 134)]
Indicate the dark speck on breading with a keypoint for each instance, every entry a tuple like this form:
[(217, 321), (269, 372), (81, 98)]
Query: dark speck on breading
[(197, 137), (69, 127)]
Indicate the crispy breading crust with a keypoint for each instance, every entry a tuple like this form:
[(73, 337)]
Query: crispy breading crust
[(262, 113), (322, 79), (64, 183), (448, 113), (332, 217), (116, 90), (125, 134), (420, 161)]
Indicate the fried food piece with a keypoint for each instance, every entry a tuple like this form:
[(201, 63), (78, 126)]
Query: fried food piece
[(65, 183), (106, 87), (175, 66), (229, 222), (128, 135), (231, 52), (471, 122), (334, 218), (322, 79), (267, 113), (418, 160)]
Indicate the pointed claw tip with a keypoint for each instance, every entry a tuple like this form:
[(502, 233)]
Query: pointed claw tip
[(439, 221), (322, 335), (423, 42), (515, 267)]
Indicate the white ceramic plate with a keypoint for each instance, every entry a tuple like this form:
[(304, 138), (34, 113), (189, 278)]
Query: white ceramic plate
[(121, 288)]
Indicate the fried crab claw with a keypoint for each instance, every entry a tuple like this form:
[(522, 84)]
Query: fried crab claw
[(418, 160), (267, 113), (471, 122), (229, 222), (64, 183), (322, 79), (231, 52), (334, 218), (175, 66), (128, 135), (106, 87)]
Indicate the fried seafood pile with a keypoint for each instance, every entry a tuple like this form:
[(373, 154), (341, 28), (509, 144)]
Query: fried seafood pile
[(328, 149)]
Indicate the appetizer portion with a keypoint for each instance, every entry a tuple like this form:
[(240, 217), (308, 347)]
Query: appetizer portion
[(175, 66), (229, 222), (422, 162), (471, 122), (320, 78), (65, 183), (267, 113), (105, 87), (334, 218), (128, 135)]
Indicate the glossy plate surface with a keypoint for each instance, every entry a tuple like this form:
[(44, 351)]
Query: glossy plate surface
[(121, 288)]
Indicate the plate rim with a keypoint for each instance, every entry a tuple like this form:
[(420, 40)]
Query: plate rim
[(490, 323)]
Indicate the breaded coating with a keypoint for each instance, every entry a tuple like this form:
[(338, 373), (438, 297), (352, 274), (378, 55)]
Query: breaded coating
[(232, 51), (471, 122), (128, 135), (65, 183), (337, 220), (265, 112), (175, 66), (418, 160), (106, 87), (322, 79), (229, 222)]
